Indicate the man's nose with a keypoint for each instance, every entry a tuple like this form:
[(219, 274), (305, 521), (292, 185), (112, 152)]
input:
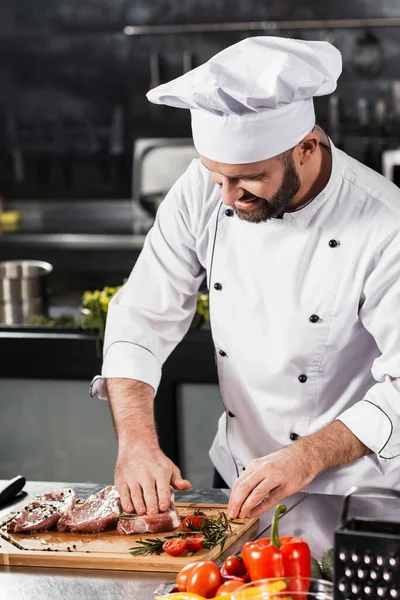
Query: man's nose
[(230, 191)]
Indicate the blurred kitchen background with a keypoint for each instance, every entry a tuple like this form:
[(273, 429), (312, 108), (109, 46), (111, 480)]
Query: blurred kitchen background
[(85, 161)]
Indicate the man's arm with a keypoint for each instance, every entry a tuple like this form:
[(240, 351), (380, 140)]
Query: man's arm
[(271, 478), (146, 319), (143, 473)]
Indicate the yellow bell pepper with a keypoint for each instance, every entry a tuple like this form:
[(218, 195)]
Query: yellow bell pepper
[(181, 596), (259, 590)]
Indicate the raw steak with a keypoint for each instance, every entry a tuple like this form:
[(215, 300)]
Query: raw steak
[(96, 514), (43, 512), (159, 523)]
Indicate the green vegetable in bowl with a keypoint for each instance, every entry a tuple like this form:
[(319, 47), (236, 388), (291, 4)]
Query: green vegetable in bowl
[(328, 563), (203, 307), (316, 571), (94, 308)]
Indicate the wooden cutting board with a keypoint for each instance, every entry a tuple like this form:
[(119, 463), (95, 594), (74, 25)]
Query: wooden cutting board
[(106, 550)]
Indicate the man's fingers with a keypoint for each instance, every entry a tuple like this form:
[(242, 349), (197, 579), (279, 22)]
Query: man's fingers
[(262, 496), (125, 496), (183, 485), (254, 498), (150, 495), (137, 499), (266, 503), (240, 492), (177, 482), (164, 494), (244, 476)]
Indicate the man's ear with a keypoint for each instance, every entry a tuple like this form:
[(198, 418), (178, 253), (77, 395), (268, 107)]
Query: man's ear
[(307, 147)]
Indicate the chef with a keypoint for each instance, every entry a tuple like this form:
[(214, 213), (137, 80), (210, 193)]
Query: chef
[(300, 245)]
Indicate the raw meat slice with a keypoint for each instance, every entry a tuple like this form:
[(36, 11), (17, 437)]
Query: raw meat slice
[(43, 512), (159, 523), (96, 514)]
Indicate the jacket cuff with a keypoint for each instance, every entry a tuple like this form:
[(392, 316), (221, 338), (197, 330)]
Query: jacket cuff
[(98, 388), (374, 428), (131, 361)]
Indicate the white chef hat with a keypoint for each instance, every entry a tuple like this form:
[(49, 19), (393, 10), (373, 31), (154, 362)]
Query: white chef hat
[(254, 99)]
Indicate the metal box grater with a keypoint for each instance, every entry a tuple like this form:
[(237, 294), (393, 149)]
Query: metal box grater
[(367, 553)]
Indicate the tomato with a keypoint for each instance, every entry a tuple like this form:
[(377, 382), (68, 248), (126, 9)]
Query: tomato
[(233, 566), (228, 587), (182, 577), (205, 579), (174, 547), (195, 542), (194, 523)]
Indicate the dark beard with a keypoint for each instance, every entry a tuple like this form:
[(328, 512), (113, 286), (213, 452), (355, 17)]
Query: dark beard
[(280, 201)]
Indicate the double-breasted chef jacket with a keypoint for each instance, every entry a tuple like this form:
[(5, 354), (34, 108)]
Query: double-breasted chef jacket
[(304, 311)]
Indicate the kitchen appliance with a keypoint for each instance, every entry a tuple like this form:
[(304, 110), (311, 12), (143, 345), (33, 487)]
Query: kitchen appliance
[(23, 291), (157, 164), (367, 551)]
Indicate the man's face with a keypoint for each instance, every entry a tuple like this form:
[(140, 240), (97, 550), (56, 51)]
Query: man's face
[(257, 191)]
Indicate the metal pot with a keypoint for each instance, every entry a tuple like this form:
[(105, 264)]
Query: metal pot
[(23, 290)]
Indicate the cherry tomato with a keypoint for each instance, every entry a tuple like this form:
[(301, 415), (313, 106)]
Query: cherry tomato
[(228, 587), (234, 566), (174, 547), (195, 542), (205, 579), (194, 523), (182, 577)]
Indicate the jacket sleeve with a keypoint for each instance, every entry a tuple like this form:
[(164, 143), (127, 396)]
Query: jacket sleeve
[(375, 420), (150, 315)]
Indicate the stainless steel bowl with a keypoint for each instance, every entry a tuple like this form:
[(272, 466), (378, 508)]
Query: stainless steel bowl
[(23, 291)]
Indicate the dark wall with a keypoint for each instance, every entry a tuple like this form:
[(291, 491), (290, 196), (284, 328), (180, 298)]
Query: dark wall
[(70, 80)]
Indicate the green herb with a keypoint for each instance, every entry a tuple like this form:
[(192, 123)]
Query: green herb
[(216, 531), (149, 546), (203, 306), (61, 321), (94, 308)]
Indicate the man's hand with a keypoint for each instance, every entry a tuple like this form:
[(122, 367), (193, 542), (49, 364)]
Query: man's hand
[(143, 474), (269, 479), (143, 478)]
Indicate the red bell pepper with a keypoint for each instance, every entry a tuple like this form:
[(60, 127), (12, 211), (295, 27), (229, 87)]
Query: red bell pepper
[(279, 557)]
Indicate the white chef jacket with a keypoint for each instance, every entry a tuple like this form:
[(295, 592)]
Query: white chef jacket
[(304, 310)]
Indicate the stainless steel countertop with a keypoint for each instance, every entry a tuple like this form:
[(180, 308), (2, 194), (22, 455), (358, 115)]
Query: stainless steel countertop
[(72, 584)]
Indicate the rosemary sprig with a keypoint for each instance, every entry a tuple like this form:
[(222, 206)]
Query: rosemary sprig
[(216, 531), (149, 546)]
